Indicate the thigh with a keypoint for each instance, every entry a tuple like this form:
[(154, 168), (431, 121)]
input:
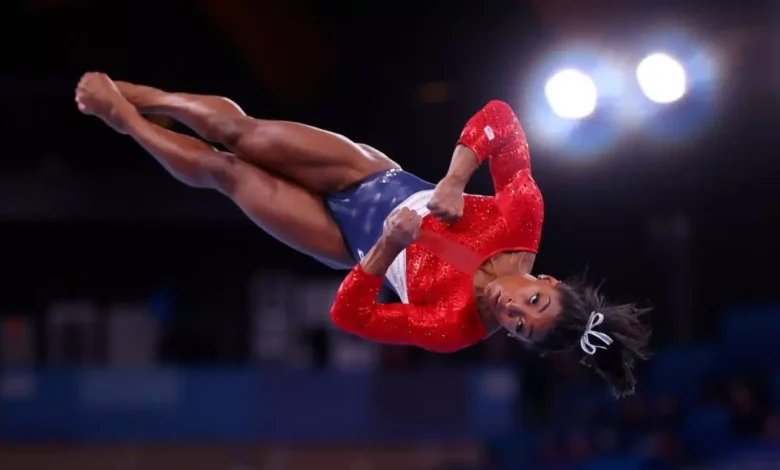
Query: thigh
[(286, 211), (319, 160)]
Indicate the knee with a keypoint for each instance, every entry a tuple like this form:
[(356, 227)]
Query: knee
[(215, 171)]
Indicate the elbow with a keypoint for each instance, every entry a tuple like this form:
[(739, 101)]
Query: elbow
[(500, 111), (343, 318), (500, 108), (337, 316), (501, 116)]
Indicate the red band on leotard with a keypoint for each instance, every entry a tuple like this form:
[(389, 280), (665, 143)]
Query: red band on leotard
[(459, 256)]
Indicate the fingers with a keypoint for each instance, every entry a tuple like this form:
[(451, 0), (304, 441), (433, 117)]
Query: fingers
[(445, 213), (402, 218), (412, 221), (393, 217), (402, 226), (416, 223), (408, 217), (81, 90), (80, 105), (403, 213)]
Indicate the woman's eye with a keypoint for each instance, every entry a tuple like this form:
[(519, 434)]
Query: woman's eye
[(534, 299)]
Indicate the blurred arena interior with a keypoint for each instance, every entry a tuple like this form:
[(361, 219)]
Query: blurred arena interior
[(145, 325)]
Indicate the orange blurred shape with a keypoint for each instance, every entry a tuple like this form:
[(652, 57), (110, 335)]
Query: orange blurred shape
[(435, 92)]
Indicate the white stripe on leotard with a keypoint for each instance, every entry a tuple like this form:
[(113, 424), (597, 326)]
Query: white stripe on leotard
[(397, 272)]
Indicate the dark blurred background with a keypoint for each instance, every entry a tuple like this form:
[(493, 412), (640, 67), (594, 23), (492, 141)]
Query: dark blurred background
[(145, 324)]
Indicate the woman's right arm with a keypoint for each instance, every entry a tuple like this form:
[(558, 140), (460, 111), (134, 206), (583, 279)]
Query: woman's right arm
[(356, 310)]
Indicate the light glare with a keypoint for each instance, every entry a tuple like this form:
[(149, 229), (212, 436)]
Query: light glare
[(571, 94), (661, 78)]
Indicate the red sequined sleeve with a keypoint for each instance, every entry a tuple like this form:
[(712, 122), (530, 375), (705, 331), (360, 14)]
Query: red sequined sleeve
[(356, 311), (494, 133)]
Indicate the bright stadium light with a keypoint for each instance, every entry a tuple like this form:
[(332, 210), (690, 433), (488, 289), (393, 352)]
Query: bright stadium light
[(661, 78), (571, 94)]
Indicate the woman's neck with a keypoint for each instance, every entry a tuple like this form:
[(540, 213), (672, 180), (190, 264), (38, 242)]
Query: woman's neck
[(500, 264)]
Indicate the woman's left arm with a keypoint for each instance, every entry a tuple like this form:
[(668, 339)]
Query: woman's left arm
[(494, 133)]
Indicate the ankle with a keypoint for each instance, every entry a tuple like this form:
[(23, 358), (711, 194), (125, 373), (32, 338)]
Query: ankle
[(146, 99), (123, 114)]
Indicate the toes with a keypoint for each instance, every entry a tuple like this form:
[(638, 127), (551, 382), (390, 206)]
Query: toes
[(80, 102)]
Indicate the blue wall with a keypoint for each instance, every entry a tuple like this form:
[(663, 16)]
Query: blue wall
[(246, 404)]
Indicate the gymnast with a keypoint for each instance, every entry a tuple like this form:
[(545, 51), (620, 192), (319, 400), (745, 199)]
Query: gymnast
[(461, 264)]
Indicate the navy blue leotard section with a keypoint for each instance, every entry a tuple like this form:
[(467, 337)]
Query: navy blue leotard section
[(361, 209)]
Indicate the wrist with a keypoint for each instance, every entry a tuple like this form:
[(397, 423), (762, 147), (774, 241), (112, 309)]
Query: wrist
[(389, 247), (378, 260), (455, 181), (128, 121)]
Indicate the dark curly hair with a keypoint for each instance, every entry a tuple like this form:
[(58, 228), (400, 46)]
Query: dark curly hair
[(621, 322)]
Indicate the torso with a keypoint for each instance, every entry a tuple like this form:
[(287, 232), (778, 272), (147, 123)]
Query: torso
[(430, 280)]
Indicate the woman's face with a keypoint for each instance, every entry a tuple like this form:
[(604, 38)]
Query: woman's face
[(524, 305)]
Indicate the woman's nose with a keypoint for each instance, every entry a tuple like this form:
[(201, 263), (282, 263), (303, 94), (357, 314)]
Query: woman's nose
[(506, 300)]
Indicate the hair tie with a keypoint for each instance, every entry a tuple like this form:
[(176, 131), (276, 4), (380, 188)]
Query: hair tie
[(596, 319)]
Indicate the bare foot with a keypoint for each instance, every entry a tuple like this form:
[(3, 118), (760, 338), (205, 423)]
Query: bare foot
[(97, 95)]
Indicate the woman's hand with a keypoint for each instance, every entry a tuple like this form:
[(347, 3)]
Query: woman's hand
[(446, 204), (402, 227)]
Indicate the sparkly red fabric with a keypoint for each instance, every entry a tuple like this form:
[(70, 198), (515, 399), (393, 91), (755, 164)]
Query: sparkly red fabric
[(442, 313)]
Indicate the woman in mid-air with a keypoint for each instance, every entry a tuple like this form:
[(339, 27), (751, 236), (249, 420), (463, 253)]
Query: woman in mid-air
[(461, 264)]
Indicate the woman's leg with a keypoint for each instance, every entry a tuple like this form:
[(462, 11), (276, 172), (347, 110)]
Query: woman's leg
[(285, 210), (318, 160)]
